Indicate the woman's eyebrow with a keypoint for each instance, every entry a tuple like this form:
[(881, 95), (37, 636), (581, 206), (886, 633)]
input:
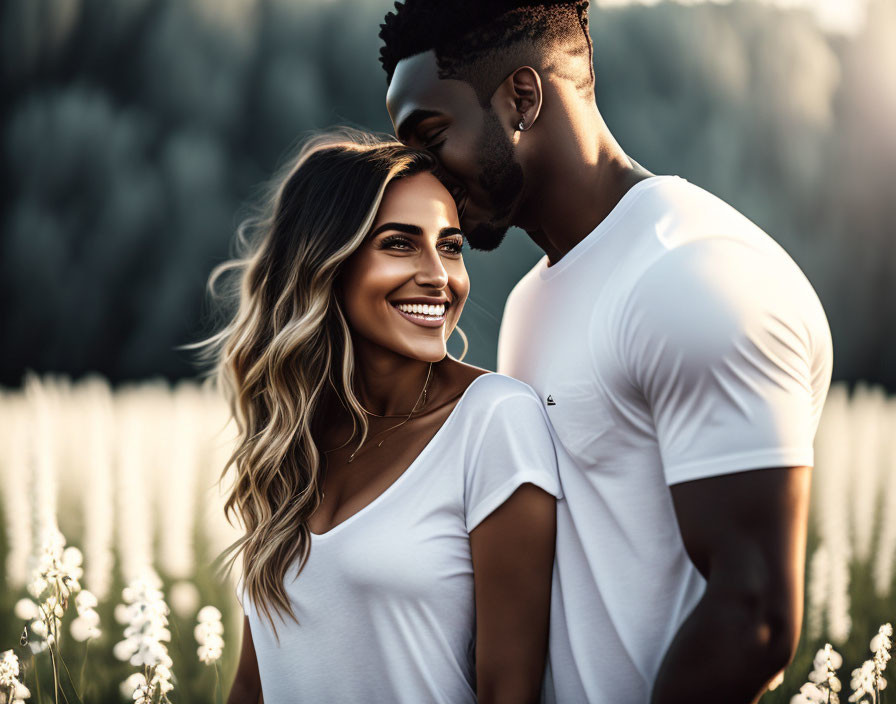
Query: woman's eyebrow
[(446, 231), (400, 226)]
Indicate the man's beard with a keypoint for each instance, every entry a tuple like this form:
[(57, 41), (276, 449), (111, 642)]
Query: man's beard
[(501, 177)]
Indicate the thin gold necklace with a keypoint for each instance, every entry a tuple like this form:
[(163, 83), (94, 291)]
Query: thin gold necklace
[(422, 397)]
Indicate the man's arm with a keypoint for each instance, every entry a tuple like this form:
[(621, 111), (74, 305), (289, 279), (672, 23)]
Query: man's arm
[(746, 534)]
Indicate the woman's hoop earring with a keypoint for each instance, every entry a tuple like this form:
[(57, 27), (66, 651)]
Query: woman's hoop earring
[(466, 343)]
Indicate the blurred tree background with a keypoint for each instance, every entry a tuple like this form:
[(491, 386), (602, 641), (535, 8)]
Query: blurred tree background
[(135, 132)]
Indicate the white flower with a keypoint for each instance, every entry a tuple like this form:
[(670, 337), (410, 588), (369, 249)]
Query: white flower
[(133, 681), (86, 625), (862, 681), (162, 677), (9, 677), (26, 610), (72, 560), (38, 646), (85, 600), (121, 613), (208, 633), (39, 628), (823, 677), (82, 629), (208, 613), (828, 659), (54, 579), (143, 694), (20, 694), (9, 668), (146, 615), (37, 586), (809, 694), (880, 646)]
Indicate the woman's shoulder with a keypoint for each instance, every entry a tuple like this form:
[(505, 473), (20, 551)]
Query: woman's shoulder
[(494, 386), (508, 435), (485, 391)]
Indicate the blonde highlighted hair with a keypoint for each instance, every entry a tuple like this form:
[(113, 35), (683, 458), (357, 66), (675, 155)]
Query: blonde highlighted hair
[(287, 348)]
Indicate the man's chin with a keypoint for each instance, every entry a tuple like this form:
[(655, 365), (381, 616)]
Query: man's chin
[(484, 236)]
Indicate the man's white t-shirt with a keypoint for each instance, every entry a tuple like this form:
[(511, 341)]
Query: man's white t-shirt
[(676, 341), (385, 602)]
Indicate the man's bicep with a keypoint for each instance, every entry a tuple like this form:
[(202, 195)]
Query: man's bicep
[(750, 525)]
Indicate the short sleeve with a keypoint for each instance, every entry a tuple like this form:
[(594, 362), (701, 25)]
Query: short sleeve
[(514, 447), (730, 348)]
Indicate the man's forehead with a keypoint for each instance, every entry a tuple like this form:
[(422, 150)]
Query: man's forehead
[(416, 86)]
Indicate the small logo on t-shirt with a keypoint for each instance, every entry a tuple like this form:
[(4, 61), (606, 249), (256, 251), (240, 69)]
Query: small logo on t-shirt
[(551, 400)]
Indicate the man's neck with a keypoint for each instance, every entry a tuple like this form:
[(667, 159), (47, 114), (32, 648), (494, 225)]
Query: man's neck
[(579, 184)]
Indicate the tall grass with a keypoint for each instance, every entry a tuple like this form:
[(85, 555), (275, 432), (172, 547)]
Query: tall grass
[(129, 477)]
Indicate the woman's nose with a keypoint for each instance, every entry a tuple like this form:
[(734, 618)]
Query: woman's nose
[(430, 271)]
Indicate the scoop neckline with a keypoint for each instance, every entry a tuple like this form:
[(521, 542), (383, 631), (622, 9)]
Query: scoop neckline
[(401, 477), (546, 272)]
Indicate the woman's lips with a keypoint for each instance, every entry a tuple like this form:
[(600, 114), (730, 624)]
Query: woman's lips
[(426, 322)]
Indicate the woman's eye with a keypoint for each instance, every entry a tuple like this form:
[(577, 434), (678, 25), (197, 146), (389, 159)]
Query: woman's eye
[(453, 246), (399, 243)]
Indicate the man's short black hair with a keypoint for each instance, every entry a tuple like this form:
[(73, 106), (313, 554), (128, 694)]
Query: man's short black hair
[(483, 41)]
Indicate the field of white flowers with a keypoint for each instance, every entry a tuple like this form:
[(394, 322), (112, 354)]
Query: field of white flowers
[(111, 516)]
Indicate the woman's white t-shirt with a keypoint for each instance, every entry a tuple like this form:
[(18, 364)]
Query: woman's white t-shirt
[(385, 602)]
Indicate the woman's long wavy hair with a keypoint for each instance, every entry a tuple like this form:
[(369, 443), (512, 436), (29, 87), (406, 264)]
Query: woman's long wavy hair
[(286, 353)]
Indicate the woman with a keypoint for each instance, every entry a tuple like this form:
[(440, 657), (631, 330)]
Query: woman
[(399, 505)]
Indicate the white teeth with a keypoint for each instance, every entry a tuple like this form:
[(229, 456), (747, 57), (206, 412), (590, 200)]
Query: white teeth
[(421, 309)]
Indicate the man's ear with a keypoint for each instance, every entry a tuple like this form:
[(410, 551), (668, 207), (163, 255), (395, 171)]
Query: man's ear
[(518, 98)]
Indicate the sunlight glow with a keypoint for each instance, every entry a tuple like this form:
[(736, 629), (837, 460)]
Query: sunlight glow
[(836, 16)]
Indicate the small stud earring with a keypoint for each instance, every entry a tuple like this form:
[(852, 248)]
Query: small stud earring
[(522, 125)]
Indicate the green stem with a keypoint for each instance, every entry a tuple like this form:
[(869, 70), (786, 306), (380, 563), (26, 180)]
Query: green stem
[(84, 663), (55, 677), (70, 679), (147, 674), (218, 695), (40, 696), (49, 621), (57, 658)]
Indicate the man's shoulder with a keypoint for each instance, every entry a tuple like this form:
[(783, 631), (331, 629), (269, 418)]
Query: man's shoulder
[(680, 212), (531, 276), (525, 287), (711, 296), (696, 236)]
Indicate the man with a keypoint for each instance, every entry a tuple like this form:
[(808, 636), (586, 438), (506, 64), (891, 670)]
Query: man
[(682, 357)]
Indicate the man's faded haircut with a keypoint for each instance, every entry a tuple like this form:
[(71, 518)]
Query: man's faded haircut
[(483, 41)]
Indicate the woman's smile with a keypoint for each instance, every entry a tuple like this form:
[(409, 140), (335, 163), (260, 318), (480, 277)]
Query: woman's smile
[(429, 313)]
